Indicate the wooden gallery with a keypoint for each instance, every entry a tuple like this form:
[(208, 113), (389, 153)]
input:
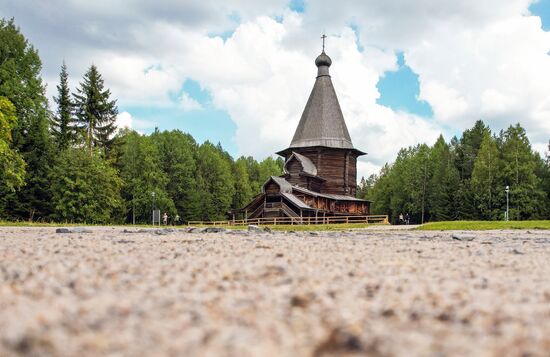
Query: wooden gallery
[(320, 171)]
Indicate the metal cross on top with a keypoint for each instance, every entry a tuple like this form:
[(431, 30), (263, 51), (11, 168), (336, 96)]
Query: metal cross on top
[(323, 37)]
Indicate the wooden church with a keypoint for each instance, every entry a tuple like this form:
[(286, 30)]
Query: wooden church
[(320, 170)]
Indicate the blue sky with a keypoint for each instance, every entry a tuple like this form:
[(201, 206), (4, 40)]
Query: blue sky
[(206, 123), (542, 9), (239, 72), (398, 89)]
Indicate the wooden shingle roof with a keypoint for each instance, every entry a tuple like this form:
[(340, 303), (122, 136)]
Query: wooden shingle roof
[(322, 122)]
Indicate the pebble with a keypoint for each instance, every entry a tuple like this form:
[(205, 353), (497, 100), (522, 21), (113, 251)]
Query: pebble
[(73, 230), (463, 237), (255, 228)]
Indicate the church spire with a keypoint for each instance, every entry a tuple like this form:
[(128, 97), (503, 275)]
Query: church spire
[(322, 122)]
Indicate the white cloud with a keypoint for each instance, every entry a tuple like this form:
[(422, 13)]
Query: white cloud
[(188, 103), (474, 60), (124, 120)]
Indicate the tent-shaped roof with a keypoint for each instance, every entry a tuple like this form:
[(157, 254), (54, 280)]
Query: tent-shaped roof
[(322, 122)]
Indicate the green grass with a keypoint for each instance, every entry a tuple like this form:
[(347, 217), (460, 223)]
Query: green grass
[(60, 224), (297, 227), (483, 225), (318, 227)]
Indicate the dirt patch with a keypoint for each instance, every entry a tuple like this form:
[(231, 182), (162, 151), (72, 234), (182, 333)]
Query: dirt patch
[(380, 293)]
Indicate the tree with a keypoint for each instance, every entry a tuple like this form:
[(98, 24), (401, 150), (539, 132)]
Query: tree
[(86, 189), (215, 182), (12, 166), (518, 171), (177, 153), (62, 121), (95, 111), (21, 84), (141, 174), (485, 182), (467, 148), (243, 190), (443, 183), (365, 186)]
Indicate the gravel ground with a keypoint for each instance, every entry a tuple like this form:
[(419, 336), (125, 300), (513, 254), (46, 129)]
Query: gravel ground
[(106, 291)]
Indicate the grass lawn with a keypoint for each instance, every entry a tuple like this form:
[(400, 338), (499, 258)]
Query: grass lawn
[(313, 227), (305, 227), (483, 225), (58, 224)]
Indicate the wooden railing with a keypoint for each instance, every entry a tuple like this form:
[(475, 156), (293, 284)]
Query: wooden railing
[(373, 219)]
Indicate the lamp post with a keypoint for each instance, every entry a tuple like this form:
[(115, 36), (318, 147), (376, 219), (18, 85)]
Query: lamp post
[(507, 203), (153, 194)]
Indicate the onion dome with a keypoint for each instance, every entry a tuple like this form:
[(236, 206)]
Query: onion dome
[(323, 62)]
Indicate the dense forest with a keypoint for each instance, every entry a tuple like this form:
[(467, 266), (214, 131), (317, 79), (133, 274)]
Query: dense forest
[(72, 164), (465, 179)]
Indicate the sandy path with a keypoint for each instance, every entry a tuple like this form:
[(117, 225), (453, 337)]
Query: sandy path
[(377, 293)]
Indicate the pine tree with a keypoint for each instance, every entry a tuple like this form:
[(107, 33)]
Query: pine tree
[(95, 111), (21, 84), (62, 121)]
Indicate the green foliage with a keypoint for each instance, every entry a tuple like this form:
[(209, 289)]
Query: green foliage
[(95, 111), (243, 189), (21, 84), (142, 175), (215, 182), (443, 183), (466, 149), (465, 180), (62, 122), (527, 199), (177, 153), (85, 188), (486, 179), (12, 166)]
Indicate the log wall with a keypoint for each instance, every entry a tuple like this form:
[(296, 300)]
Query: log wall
[(338, 167)]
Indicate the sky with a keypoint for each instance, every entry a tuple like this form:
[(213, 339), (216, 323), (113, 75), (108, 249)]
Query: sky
[(239, 72)]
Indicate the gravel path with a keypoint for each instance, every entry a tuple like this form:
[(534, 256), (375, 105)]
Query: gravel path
[(103, 291)]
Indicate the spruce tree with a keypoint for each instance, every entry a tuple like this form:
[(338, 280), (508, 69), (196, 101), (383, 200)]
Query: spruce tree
[(62, 121), (95, 111)]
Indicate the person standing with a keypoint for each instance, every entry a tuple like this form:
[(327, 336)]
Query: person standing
[(401, 219), (407, 218), (165, 219)]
